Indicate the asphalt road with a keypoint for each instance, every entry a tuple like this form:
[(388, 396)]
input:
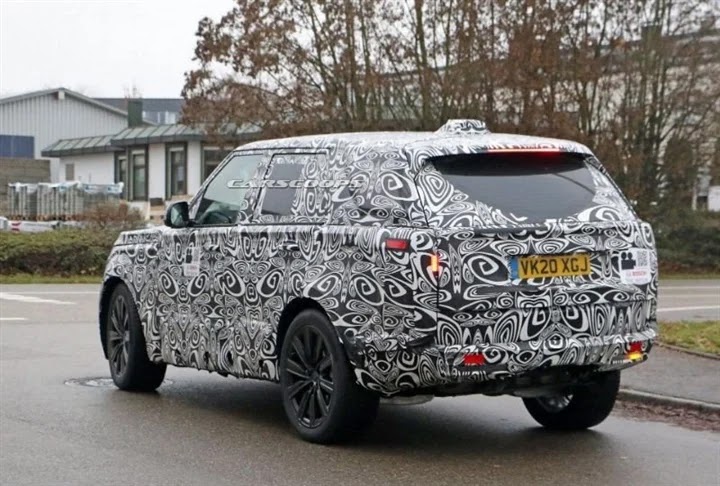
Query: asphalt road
[(204, 429)]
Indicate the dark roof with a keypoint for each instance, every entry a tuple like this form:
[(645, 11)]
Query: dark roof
[(77, 146), (72, 94), (175, 133), (173, 105)]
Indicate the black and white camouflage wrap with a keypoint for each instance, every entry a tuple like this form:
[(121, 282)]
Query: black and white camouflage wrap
[(404, 327)]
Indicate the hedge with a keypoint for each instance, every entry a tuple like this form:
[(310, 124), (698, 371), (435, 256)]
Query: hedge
[(690, 245), (63, 252)]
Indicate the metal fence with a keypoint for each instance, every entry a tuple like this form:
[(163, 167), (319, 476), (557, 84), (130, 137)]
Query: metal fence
[(65, 201)]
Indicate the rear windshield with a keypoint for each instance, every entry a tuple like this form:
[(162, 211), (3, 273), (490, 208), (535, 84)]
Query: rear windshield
[(520, 187)]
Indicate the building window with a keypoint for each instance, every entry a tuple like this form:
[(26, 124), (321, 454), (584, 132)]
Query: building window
[(176, 160), (138, 175), (211, 158), (69, 172), (121, 172)]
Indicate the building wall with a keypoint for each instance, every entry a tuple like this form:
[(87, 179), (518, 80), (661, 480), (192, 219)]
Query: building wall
[(194, 158), (49, 118), (92, 168), (156, 170)]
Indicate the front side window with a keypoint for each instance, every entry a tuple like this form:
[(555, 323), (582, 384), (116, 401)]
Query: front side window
[(138, 176), (225, 201), (177, 171)]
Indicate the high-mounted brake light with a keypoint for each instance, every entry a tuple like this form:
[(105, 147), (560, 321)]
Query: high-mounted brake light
[(474, 359), (397, 244), (635, 352), (550, 150)]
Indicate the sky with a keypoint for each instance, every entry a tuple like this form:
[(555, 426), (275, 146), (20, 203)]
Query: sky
[(101, 48)]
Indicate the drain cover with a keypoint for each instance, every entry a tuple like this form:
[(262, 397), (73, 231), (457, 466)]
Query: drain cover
[(99, 382)]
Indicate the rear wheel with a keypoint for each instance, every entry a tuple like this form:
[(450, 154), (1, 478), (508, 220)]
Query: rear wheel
[(320, 396), (130, 367), (585, 406)]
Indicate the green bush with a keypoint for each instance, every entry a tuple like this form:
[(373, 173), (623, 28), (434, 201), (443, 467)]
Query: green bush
[(690, 243), (65, 252)]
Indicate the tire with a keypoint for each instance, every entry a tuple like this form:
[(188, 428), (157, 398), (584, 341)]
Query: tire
[(320, 396), (586, 406), (130, 367)]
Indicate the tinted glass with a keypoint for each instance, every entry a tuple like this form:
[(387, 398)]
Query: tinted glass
[(278, 200), (532, 186), (221, 204)]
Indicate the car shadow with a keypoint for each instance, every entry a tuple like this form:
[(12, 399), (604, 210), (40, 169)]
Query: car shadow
[(459, 426)]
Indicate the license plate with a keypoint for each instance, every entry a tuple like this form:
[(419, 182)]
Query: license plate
[(544, 266)]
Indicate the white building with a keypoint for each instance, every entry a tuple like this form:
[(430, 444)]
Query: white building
[(156, 163), (41, 118)]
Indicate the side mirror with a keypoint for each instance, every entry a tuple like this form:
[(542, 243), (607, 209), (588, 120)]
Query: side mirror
[(177, 215)]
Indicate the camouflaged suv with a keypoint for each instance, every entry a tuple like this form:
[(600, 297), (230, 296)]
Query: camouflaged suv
[(350, 267)]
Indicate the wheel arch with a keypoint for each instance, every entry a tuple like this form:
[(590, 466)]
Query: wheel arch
[(291, 310)]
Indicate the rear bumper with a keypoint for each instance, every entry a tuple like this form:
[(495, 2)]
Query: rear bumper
[(435, 368)]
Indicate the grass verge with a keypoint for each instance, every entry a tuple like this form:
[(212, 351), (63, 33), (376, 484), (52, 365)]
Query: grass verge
[(28, 278), (696, 336)]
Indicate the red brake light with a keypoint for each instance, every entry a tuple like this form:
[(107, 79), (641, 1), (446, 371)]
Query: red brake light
[(397, 244), (474, 359), (550, 150), (635, 347), (634, 352)]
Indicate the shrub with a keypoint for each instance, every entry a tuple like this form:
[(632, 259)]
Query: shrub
[(120, 217), (63, 252), (690, 243)]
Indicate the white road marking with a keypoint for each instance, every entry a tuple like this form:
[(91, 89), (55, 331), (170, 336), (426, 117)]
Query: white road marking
[(663, 294), (13, 318), (678, 309), (32, 300), (703, 287), (72, 292)]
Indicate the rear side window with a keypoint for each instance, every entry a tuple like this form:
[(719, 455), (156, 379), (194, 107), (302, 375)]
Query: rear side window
[(496, 189), (294, 190)]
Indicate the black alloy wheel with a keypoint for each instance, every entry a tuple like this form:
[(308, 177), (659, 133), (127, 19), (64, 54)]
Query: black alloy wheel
[(321, 397), (130, 367), (584, 406), (118, 336), (310, 384)]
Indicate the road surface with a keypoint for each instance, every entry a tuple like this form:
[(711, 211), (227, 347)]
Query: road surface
[(204, 429)]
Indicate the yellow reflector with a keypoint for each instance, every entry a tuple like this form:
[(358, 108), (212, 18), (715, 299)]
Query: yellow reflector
[(634, 356)]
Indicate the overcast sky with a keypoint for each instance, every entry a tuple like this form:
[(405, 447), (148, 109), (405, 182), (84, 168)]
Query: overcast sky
[(100, 47)]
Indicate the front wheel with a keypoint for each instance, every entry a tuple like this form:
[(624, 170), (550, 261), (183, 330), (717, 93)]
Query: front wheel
[(320, 396), (130, 367), (583, 407)]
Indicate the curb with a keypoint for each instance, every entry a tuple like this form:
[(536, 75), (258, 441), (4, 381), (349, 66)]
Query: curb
[(631, 395), (699, 354)]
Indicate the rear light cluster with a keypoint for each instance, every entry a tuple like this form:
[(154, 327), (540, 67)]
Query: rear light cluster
[(635, 352), (473, 359), (403, 245)]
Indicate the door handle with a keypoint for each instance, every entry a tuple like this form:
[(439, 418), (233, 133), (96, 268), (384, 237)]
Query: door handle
[(290, 246)]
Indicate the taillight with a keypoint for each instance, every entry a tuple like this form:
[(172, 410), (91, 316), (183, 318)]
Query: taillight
[(635, 352), (397, 244), (474, 359), (435, 264)]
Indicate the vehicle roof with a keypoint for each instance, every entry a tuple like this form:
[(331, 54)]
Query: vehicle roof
[(443, 142)]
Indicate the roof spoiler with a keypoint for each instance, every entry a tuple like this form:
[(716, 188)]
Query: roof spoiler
[(464, 126)]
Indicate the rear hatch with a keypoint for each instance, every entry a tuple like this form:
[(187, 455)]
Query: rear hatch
[(531, 238)]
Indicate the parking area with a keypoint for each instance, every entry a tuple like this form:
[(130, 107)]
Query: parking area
[(204, 429)]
